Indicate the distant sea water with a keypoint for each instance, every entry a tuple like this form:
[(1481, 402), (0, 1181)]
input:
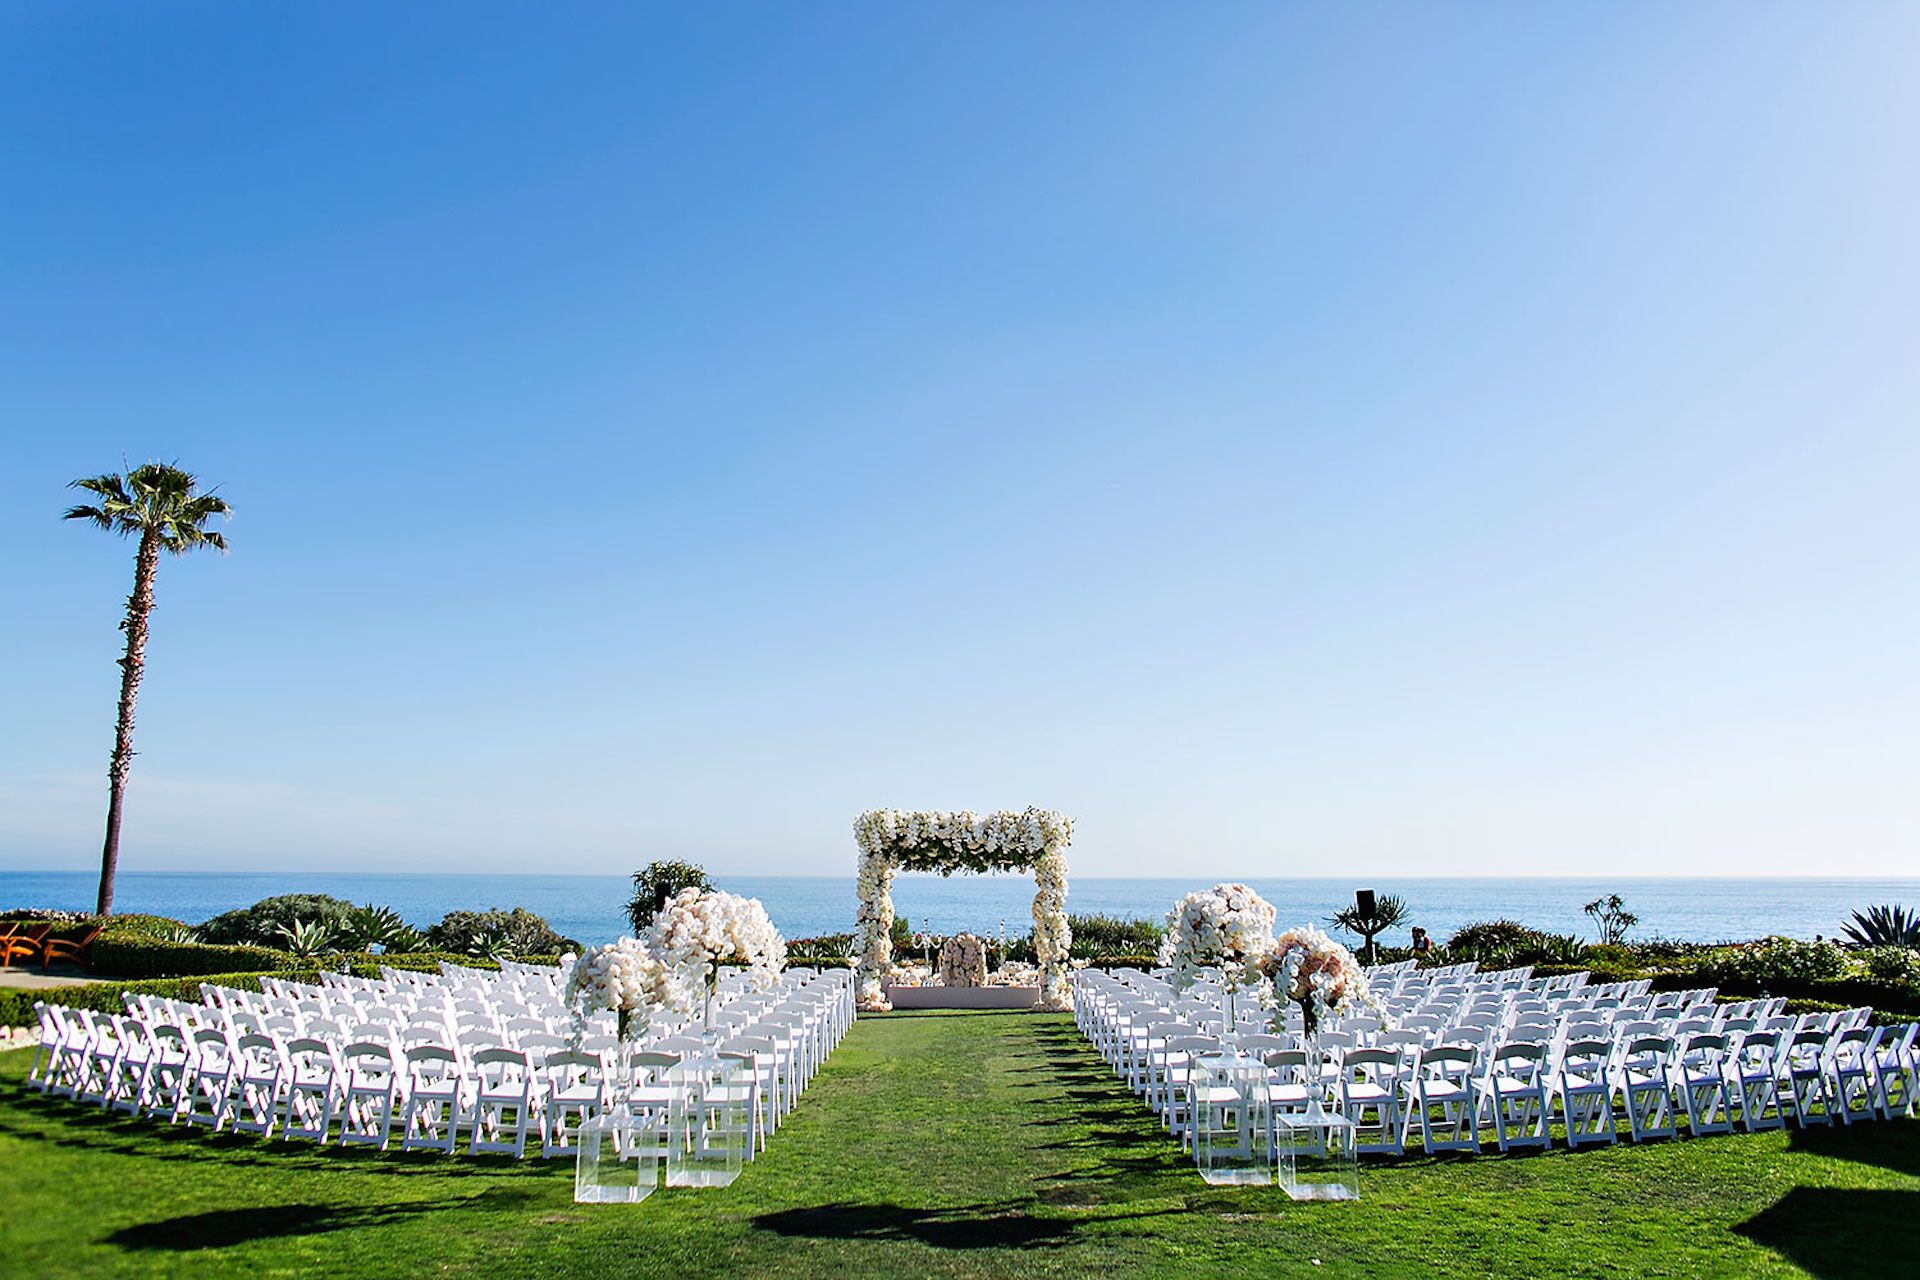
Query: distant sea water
[(590, 908)]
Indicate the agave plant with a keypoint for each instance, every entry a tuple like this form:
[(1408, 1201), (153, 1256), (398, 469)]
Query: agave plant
[(306, 938), (1560, 948), (486, 944), (382, 927), (1885, 926), (181, 933)]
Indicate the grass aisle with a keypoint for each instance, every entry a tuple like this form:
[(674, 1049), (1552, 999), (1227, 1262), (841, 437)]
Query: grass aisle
[(964, 1144)]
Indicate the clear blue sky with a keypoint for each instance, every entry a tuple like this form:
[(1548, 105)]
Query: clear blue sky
[(1446, 439)]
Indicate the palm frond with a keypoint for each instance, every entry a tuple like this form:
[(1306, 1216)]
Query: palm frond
[(95, 514)]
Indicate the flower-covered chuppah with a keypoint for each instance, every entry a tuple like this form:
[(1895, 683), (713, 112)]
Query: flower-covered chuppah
[(892, 840)]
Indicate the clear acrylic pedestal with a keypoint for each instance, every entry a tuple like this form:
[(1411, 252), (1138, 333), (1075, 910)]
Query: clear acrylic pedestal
[(618, 1161), (1315, 1157), (710, 1121), (1230, 1110)]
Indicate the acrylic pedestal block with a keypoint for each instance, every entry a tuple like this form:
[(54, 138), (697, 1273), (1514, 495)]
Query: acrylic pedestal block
[(1230, 1109), (1314, 1156), (618, 1161), (710, 1121)]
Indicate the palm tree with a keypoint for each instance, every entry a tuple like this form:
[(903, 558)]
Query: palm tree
[(163, 507), (1388, 912)]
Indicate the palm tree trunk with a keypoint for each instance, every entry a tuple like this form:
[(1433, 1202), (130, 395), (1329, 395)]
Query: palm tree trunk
[(139, 606)]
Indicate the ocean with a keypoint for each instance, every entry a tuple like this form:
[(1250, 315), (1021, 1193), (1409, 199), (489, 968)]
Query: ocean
[(590, 908)]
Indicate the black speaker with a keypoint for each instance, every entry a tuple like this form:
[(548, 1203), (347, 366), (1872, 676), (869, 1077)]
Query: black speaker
[(1363, 899)]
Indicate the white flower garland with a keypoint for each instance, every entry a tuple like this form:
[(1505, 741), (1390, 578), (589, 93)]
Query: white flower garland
[(920, 840)]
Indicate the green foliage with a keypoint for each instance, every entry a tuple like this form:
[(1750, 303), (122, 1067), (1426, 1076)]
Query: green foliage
[(1612, 918), (16, 1006), (1899, 966), (145, 926), (307, 937), (1776, 960), (144, 957), (658, 881), (264, 923), (372, 926), (1885, 926), (833, 947), (1389, 912), (1102, 935), (1469, 940), (497, 933)]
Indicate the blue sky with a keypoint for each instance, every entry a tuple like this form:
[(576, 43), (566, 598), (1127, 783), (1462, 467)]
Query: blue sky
[(1434, 439)]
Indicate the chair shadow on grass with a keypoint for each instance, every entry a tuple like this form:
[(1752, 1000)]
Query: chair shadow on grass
[(224, 1228), (1839, 1234), (1895, 1146), (987, 1225)]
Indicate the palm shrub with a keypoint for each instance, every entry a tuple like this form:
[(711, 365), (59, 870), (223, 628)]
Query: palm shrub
[(1611, 916), (162, 509), (264, 924), (1389, 912), (1885, 926), (658, 881)]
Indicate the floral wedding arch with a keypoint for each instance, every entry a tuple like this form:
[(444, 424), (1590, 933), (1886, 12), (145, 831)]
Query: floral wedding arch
[(894, 840)]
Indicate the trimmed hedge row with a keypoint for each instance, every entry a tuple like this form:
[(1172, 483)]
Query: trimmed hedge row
[(1842, 993), (135, 957), (16, 1006)]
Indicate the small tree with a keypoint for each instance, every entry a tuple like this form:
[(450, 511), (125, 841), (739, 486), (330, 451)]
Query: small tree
[(1610, 914), (656, 882), (1389, 912)]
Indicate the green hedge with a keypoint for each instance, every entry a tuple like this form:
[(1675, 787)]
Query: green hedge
[(16, 1007), (136, 957)]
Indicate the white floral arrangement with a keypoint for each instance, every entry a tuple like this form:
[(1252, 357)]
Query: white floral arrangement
[(963, 961), (699, 930), (629, 979), (1228, 927), (893, 840), (1306, 967)]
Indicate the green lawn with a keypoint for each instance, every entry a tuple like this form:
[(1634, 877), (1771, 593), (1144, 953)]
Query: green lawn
[(943, 1144)]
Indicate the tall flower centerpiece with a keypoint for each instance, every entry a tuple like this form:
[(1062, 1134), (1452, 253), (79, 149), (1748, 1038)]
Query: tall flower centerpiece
[(629, 979), (1307, 968), (701, 930), (1228, 928), (892, 840)]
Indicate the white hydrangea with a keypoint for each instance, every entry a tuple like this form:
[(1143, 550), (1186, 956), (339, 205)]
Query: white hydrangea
[(629, 979), (699, 930)]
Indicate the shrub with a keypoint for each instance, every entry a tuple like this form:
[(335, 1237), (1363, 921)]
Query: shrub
[(1776, 960), (831, 946), (1104, 935), (1136, 961), (143, 926), (372, 926), (136, 957), (658, 881), (497, 933), (260, 925), (1898, 966), (16, 1007), (1471, 940)]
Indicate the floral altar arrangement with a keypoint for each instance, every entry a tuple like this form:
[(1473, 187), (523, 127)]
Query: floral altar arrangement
[(892, 840), (963, 962), (1228, 927), (700, 930)]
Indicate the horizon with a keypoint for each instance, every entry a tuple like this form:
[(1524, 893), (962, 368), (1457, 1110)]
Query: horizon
[(1272, 437)]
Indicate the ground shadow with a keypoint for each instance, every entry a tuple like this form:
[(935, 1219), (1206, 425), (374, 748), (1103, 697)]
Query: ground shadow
[(224, 1228), (1837, 1233), (1891, 1146), (971, 1226)]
